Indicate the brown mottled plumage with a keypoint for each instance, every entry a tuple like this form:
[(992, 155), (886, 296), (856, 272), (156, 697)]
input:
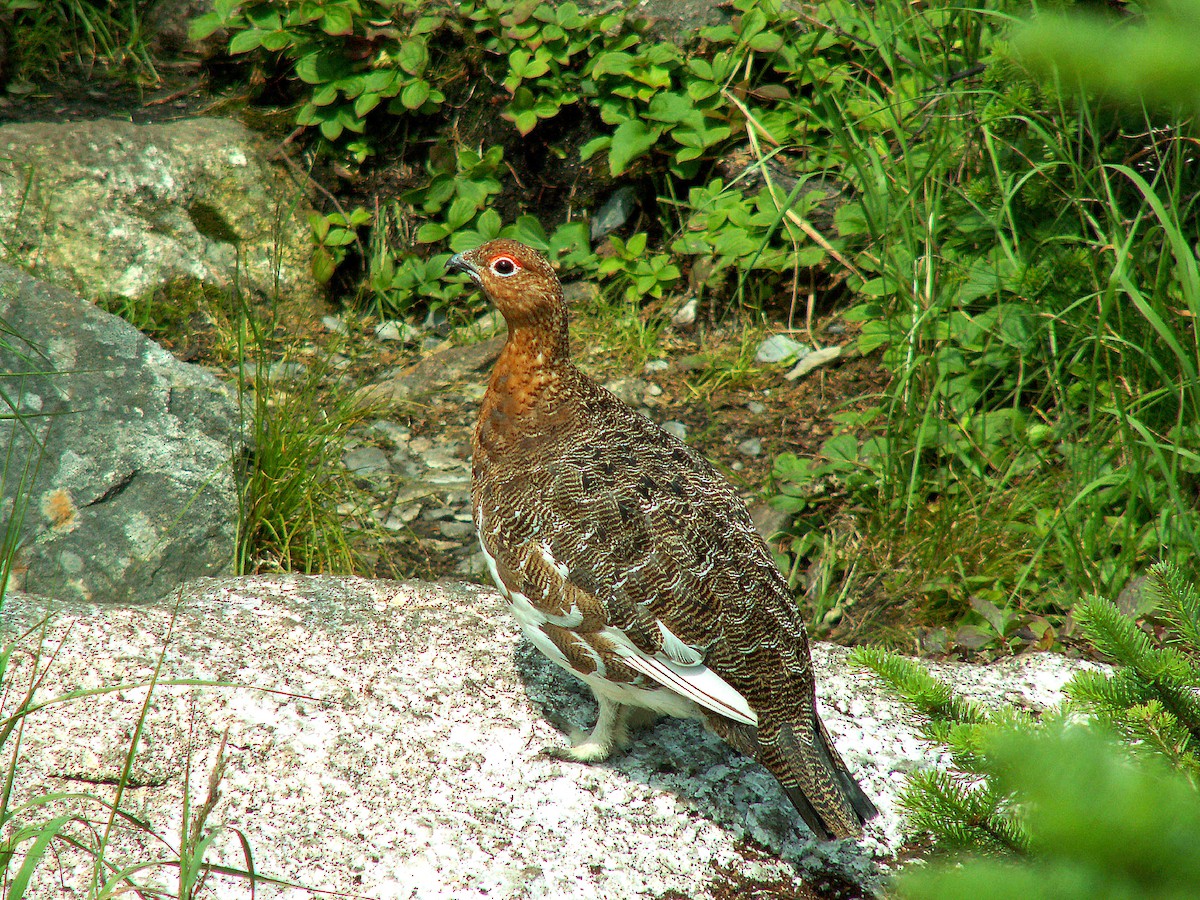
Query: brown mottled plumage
[(631, 563)]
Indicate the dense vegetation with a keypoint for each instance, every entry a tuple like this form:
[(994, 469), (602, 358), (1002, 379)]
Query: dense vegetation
[(1017, 252), (1050, 805)]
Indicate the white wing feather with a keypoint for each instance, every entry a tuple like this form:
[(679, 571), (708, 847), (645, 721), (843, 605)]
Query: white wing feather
[(698, 683)]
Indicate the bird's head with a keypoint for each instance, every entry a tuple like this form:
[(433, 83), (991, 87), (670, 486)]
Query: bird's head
[(517, 279)]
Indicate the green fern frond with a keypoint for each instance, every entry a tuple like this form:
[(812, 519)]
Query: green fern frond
[(1179, 601), (1096, 691), (913, 683), (1112, 632), (963, 813)]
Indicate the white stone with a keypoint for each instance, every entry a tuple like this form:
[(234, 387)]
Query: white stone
[(384, 738)]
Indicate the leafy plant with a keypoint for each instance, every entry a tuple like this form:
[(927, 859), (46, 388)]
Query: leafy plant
[(332, 234), (46, 37), (461, 184), (1145, 57), (353, 56), (544, 48), (1099, 824), (1150, 698), (636, 273)]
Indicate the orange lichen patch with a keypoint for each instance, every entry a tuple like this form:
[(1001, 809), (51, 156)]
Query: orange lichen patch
[(60, 510)]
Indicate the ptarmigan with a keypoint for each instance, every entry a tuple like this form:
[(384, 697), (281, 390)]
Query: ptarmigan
[(631, 563)]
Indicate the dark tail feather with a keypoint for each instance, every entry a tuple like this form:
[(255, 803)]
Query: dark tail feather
[(827, 796), (807, 769)]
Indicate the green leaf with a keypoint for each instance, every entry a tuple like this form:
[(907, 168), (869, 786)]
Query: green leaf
[(337, 21), (319, 68), (594, 146), (612, 64), (277, 40), (413, 57), (245, 41), (323, 265), (202, 26), (431, 232), (331, 129), (427, 24), (319, 225), (365, 103), (488, 224), (631, 140), (461, 211), (415, 94), (672, 107), (767, 42)]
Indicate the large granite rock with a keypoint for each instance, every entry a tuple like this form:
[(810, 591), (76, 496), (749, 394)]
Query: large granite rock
[(383, 739), (107, 208), (134, 490)]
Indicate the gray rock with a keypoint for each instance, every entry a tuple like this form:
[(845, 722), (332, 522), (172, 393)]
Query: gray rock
[(383, 740), (769, 521), (614, 213), (434, 373), (631, 391), (108, 208), (276, 372), (679, 21), (401, 516), (335, 325), (750, 447), (779, 348), (457, 530), (393, 330), (135, 490), (685, 316), (366, 461), (165, 27)]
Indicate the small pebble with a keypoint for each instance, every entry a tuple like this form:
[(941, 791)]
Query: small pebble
[(614, 213), (393, 330), (751, 447), (778, 348), (397, 434), (675, 429), (657, 365), (366, 461), (456, 530), (685, 315), (335, 325), (401, 516), (757, 408)]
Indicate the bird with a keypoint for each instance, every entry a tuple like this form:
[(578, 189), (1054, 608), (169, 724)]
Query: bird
[(629, 561)]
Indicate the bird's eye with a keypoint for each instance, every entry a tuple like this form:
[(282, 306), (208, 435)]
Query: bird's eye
[(503, 266)]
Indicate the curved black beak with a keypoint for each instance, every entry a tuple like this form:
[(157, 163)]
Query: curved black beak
[(457, 263)]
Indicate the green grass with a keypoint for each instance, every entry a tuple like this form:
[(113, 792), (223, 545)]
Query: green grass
[(51, 36), (1032, 289), (294, 489)]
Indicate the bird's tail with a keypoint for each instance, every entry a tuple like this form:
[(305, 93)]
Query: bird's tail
[(813, 775), (829, 799)]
